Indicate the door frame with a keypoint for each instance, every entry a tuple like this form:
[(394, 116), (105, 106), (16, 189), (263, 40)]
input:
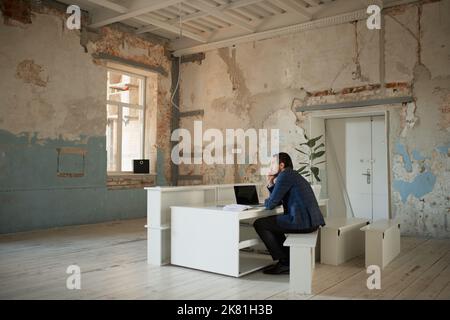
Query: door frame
[(317, 126)]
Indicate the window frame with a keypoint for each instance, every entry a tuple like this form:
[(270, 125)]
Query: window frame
[(120, 106)]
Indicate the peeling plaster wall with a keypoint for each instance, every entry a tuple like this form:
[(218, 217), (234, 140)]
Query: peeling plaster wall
[(252, 86), (52, 95)]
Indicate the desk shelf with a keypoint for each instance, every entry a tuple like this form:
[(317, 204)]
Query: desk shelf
[(251, 262), (249, 243)]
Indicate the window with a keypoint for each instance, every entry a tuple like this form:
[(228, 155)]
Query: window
[(125, 126)]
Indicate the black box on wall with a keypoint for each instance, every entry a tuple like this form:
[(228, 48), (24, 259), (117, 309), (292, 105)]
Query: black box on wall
[(141, 166)]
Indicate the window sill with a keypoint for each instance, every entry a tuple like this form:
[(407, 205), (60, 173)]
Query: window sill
[(129, 174), (125, 180)]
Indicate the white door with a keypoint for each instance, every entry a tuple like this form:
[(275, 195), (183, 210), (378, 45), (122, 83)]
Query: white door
[(379, 170), (357, 167)]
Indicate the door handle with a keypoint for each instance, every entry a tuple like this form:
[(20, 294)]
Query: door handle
[(367, 174)]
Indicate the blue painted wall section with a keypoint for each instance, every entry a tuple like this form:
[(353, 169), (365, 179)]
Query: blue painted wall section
[(32, 196), (417, 155), (401, 150), (420, 186), (160, 164), (444, 149)]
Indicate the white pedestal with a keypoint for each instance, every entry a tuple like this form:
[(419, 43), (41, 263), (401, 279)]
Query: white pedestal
[(341, 239), (382, 242), (302, 261)]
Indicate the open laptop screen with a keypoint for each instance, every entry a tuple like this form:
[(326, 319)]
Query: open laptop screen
[(246, 195)]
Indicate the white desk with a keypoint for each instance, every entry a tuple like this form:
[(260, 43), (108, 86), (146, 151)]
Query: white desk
[(208, 238), (159, 201)]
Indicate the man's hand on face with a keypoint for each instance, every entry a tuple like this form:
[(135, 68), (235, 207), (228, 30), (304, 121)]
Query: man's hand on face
[(270, 180)]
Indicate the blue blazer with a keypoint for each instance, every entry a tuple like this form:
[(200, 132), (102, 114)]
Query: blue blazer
[(301, 210)]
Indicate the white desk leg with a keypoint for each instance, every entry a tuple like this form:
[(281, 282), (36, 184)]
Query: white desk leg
[(300, 273), (313, 260)]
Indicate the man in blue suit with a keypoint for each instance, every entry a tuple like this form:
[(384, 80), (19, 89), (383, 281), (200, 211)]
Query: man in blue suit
[(301, 211)]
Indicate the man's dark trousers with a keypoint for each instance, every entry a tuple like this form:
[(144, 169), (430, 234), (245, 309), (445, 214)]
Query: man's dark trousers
[(273, 237)]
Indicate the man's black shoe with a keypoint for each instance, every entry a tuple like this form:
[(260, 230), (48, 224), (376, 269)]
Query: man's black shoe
[(270, 267), (277, 269)]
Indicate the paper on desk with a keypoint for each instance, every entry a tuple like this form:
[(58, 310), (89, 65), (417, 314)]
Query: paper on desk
[(236, 207)]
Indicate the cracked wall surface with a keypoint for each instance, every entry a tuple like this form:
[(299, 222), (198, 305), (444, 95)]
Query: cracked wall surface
[(252, 85), (53, 95)]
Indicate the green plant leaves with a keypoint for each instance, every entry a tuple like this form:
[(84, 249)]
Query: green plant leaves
[(317, 155), (319, 146), (302, 169), (315, 172), (312, 142), (319, 162), (315, 152), (301, 151)]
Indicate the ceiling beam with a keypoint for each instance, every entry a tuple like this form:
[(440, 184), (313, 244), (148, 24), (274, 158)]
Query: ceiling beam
[(174, 21), (271, 8), (290, 7), (309, 25), (241, 3), (216, 12), (110, 5), (147, 20), (313, 3), (173, 28), (140, 8), (228, 6)]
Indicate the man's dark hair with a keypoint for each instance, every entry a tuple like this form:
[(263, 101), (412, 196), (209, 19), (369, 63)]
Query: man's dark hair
[(283, 157)]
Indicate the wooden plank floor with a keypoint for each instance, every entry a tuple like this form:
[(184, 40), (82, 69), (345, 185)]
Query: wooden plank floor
[(112, 258)]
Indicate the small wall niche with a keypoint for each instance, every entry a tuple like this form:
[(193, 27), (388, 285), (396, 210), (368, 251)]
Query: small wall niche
[(71, 162)]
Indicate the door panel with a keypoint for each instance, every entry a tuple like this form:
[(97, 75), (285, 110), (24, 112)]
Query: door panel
[(357, 139), (358, 166), (379, 163), (336, 169)]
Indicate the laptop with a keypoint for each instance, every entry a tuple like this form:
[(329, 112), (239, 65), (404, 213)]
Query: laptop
[(247, 195)]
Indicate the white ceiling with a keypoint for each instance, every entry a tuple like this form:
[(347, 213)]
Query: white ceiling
[(190, 23)]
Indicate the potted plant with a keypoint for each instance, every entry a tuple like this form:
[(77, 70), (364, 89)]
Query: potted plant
[(310, 170)]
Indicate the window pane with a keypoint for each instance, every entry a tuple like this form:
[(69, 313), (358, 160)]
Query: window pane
[(111, 136), (125, 136), (124, 88), (132, 135)]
